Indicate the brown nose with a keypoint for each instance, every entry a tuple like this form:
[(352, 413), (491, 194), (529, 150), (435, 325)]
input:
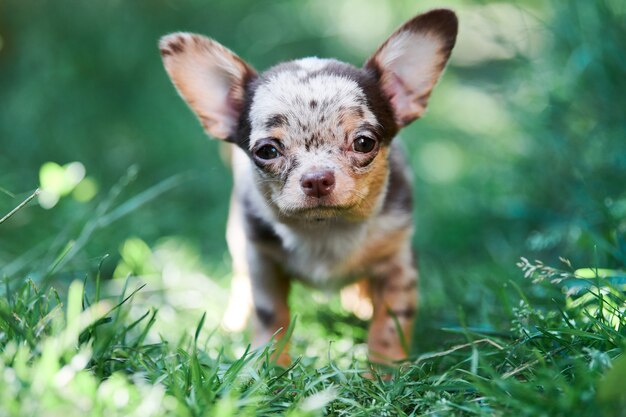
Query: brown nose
[(318, 183)]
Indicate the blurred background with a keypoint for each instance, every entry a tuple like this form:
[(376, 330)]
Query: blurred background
[(522, 151)]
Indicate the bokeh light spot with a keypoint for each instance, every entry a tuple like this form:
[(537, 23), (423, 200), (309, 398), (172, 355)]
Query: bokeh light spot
[(440, 161), (85, 190), (57, 181)]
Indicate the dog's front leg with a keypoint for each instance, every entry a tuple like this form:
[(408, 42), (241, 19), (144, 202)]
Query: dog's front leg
[(270, 290), (394, 297)]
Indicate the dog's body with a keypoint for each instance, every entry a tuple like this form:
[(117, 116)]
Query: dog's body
[(321, 194)]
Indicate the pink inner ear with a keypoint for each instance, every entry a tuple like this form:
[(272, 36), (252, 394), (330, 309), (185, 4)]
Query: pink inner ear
[(402, 98), (412, 59), (209, 77)]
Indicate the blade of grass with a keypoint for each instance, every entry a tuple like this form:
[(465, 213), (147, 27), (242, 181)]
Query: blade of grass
[(104, 217), (20, 206)]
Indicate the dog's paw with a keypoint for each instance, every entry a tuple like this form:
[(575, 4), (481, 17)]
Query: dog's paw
[(354, 298)]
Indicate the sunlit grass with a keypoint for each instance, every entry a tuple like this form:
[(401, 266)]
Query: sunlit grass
[(148, 343), (87, 354)]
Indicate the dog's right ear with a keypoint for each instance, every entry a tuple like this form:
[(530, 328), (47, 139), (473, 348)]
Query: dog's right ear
[(209, 77)]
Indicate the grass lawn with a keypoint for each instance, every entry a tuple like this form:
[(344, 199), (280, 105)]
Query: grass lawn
[(104, 352)]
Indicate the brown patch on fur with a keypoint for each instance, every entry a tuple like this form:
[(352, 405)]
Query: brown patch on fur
[(392, 308), (373, 182), (380, 248), (177, 46), (266, 316), (242, 136), (277, 322), (350, 119), (276, 120), (384, 343), (374, 97), (402, 287), (399, 194), (406, 313), (257, 229)]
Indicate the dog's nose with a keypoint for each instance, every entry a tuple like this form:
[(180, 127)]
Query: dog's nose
[(318, 183)]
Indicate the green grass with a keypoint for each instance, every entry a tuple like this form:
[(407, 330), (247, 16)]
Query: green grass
[(559, 353)]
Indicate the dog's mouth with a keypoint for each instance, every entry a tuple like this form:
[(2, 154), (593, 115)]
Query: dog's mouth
[(320, 212)]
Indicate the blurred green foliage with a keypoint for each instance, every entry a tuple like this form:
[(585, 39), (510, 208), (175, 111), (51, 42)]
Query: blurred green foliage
[(522, 151)]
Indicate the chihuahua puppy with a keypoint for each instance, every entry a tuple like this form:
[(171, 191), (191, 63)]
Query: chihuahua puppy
[(321, 191)]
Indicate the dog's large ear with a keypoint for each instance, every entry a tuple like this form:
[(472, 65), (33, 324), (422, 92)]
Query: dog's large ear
[(410, 62), (209, 77)]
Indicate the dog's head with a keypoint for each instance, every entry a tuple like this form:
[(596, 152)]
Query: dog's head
[(318, 130)]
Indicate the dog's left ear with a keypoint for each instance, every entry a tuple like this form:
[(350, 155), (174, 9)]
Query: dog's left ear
[(410, 62)]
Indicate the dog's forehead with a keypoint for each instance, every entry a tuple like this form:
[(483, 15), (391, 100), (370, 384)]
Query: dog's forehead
[(307, 96)]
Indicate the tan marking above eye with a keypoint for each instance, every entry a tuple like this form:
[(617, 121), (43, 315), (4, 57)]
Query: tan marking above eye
[(350, 121), (278, 132)]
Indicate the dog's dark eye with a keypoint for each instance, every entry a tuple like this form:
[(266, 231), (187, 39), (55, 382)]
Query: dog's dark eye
[(364, 144), (267, 152)]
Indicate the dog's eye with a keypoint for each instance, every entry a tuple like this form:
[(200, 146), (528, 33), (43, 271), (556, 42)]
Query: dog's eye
[(364, 144), (267, 152)]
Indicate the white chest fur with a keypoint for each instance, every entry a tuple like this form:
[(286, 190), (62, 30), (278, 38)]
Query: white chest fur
[(320, 253)]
